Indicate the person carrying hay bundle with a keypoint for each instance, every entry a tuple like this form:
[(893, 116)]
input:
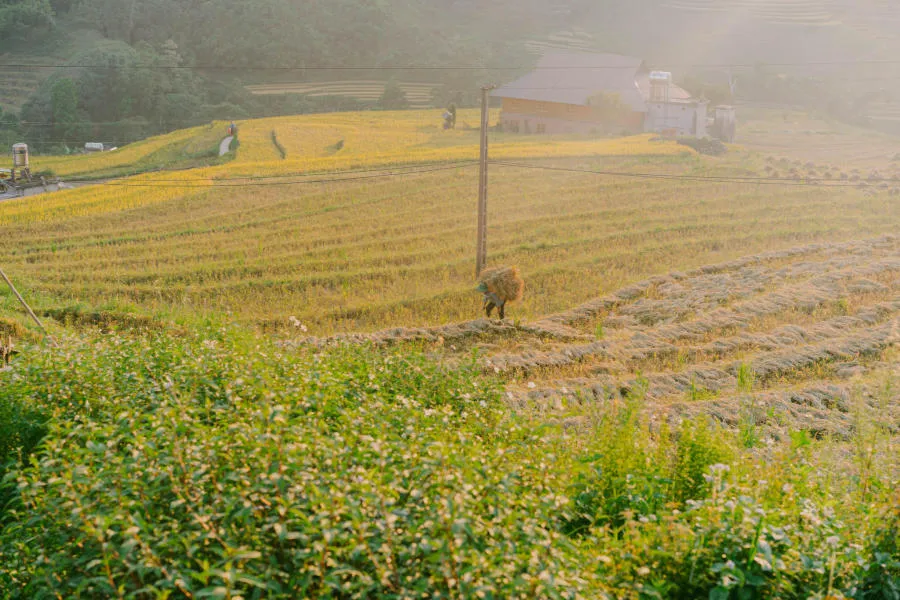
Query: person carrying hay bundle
[(500, 286)]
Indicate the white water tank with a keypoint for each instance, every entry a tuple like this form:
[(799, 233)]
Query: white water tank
[(20, 156)]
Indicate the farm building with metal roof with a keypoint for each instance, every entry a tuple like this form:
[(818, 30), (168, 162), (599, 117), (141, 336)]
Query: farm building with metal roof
[(582, 93)]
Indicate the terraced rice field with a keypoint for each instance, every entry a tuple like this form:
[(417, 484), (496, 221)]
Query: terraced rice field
[(419, 95), (860, 14), (800, 136), (18, 83), (794, 12), (362, 255), (153, 153), (779, 339), (575, 40)]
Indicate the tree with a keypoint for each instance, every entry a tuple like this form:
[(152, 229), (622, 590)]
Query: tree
[(18, 17), (9, 129), (393, 98), (64, 109)]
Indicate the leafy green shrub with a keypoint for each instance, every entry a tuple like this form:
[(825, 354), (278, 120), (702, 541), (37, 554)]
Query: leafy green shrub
[(708, 146), (203, 468), (630, 472), (732, 546), (21, 430), (881, 575), (219, 465), (697, 449)]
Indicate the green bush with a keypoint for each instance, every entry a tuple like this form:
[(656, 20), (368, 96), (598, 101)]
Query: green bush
[(708, 146), (200, 468), (21, 430), (632, 473), (219, 465), (881, 574)]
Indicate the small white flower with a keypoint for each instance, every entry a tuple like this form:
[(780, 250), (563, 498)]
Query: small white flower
[(531, 385), (643, 571)]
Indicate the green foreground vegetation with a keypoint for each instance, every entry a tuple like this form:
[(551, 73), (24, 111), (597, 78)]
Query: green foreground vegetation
[(218, 465)]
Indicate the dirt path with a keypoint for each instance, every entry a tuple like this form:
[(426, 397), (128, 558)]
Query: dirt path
[(51, 187), (225, 146)]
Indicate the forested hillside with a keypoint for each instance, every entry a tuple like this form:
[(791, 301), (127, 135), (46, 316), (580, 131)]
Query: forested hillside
[(202, 54)]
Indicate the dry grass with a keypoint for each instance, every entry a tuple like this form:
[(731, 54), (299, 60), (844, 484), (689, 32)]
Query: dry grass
[(375, 253), (367, 255)]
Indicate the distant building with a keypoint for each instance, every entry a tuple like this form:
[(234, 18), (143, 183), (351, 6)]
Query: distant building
[(581, 93)]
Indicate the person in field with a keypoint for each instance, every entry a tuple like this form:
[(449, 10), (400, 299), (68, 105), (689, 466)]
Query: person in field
[(500, 286)]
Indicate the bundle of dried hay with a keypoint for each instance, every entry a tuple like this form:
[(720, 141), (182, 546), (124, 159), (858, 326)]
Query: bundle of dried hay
[(500, 286)]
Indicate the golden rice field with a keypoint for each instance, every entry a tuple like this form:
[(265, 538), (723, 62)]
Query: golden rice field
[(152, 153), (419, 95), (379, 252), (328, 142), (337, 141)]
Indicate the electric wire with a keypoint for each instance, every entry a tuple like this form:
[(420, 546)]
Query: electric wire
[(804, 182), (255, 68)]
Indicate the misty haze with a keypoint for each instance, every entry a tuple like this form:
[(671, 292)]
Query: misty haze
[(456, 299)]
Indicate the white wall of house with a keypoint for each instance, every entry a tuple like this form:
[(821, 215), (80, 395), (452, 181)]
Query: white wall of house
[(685, 118)]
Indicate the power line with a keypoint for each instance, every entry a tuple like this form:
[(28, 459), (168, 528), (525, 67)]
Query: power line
[(167, 184), (846, 63), (412, 168), (804, 182), (271, 180)]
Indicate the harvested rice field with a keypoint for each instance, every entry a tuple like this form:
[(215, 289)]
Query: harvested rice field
[(399, 251), (782, 338)]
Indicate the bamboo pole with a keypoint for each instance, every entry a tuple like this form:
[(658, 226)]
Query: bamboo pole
[(481, 251), (27, 308)]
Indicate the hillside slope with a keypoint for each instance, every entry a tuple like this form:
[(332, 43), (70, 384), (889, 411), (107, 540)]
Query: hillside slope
[(673, 33)]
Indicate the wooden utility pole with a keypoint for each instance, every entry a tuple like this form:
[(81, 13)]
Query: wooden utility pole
[(481, 253), (27, 308)]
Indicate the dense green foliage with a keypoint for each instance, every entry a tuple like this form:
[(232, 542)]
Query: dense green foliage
[(19, 16), (221, 466)]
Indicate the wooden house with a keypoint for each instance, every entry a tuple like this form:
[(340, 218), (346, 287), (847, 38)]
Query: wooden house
[(582, 93)]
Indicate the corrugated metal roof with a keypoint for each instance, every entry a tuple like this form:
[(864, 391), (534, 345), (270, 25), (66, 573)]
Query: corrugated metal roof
[(676, 94), (573, 77)]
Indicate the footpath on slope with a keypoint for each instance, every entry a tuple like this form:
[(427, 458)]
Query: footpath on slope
[(225, 146)]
